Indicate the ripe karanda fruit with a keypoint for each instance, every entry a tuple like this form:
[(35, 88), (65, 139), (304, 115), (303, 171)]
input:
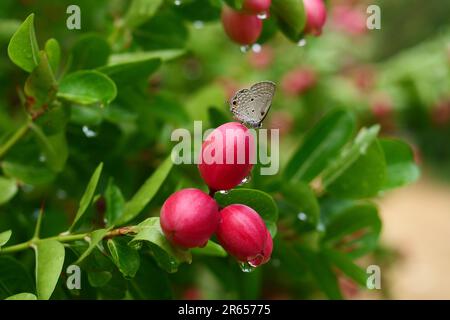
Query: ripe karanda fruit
[(244, 235), (227, 156), (256, 6), (241, 27), (316, 16), (189, 217)]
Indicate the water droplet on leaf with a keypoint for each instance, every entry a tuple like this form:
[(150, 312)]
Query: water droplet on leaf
[(198, 24), (177, 2), (302, 216), (301, 43), (88, 132)]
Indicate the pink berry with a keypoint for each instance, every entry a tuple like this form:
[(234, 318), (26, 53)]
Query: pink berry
[(189, 217), (243, 234), (242, 28), (316, 15), (256, 6), (298, 81), (227, 156)]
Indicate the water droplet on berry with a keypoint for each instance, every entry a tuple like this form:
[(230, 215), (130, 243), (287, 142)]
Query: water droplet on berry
[(246, 180), (88, 132), (246, 267), (256, 47), (262, 15), (244, 49), (301, 43)]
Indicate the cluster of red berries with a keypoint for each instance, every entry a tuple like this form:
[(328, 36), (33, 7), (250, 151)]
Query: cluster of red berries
[(245, 26), (190, 217)]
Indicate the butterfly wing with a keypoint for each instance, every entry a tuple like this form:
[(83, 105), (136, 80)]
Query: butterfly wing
[(251, 105)]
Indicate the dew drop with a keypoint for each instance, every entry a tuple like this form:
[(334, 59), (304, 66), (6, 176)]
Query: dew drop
[(302, 216), (88, 132), (223, 191), (246, 267), (42, 158), (244, 49), (198, 24), (256, 47), (177, 2), (301, 43), (247, 179), (262, 15)]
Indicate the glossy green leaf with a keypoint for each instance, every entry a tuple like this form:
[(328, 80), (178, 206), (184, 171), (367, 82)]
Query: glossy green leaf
[(167, 256), (353, 228), (54, 148), (350, 154), (89, 52), (146, 192), (99, 279), (322, 272), (94, 239), (86, 199), (41, 85), (87, 87), (32, 173), (299, 206), (140, 11), (8, 189), (211, 249), (54, 120), (401, 168), (125, 257), (347, 266), (321, 145), (53, 52), (23, 49), (115, 203), (22, 296), (49, 263), (364, 178), (14, 277), (130, 57), (291, 17), (131, 72), (4, 237), (258, 200)]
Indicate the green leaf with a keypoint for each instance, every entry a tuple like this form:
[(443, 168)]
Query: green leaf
[(28, 173), (99, 279), (14, 277), (129, 57), (211, 249), (198, 104), (87, 87), (321, 145), (347, 266), (216, 117), (291, 17), (146, 192), (4, 237), (89, 52), (199, 10), (258, 200), (350, 154), (131, 72), (299, 206), (54, 148), (41, 84), (95, 238), (53, 52), (140, 11), (49, 263), (321, 270), (54, 120), (124, 257), (364, 178), (353, 227), (23, 49), (401, 168), (8, 189), (88, 194), (22, 296), (115, 203), (167, 256)]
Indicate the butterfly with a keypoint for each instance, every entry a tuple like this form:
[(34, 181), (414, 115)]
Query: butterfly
[(250, 106)]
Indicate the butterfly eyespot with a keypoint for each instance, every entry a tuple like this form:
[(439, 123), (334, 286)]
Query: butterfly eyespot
[(262, 113), (234, 102), (252, 99), (253, 110)]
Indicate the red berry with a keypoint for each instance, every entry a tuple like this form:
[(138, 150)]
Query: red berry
[(298, 81), (316, 15), (244, 235), (189, 217), (240, 27), (227, 156), (349, 19), (256, 6)]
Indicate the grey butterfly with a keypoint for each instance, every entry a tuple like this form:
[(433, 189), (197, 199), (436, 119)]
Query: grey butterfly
[(250, 106)]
